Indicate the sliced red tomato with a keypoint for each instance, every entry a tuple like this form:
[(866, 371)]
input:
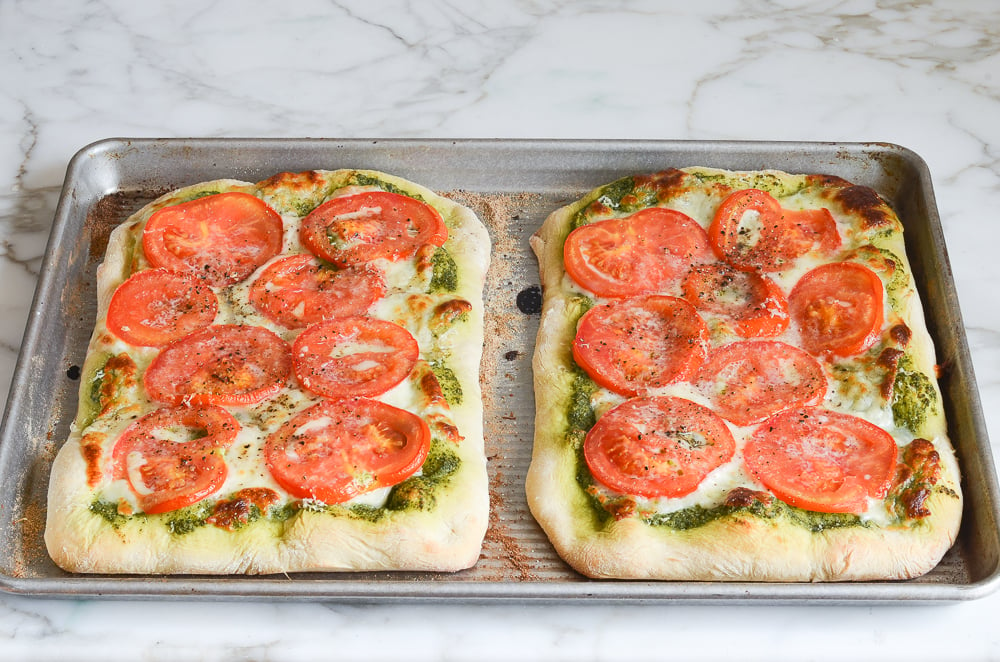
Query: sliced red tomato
[(356, 229), (806, 229), (339, 449), (647, 252), (299, 290), (156, 306), (172, 457), (750, 381), (751, 304), (838, 309), (657, 447), (353, 356), (225, 364), (752, 231), (822, 460), (634, 345), (221, 238)]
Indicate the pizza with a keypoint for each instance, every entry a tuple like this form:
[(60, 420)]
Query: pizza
[(734, 381), (283, 377)]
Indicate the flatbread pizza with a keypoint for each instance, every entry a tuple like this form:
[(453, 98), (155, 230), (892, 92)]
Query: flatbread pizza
[(734, 381), (283, 376)]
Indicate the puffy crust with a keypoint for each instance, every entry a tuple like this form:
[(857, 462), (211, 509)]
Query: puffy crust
[(445, 537), (740, 546)]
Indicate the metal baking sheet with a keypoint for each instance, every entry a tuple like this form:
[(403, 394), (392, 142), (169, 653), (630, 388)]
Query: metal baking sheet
[(513, 185)]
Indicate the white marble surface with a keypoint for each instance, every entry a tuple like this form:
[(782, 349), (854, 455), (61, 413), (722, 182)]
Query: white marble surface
[(925, 75)]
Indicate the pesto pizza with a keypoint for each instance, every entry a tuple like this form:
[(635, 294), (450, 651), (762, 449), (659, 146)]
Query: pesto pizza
[(734, 381), (283, 376)]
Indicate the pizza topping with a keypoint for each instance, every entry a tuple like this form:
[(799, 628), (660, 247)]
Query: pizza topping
[(838, 309), (232, 513), (752, 231), (744, 497), (221, 238), (223, 364), (356, 229), (822, 460), (657, 447), (299, 290), (649, 251), (349, 356), (156, 306), (916, 476), (750, 381), (92, 451), (113, 381), (171, 457), (634, 345), (753, 305), (339, 449)]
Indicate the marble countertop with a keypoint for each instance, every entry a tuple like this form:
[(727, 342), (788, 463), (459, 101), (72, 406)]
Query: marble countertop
[(924, 75)]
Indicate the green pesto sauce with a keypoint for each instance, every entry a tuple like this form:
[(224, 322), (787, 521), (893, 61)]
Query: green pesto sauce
[(114, 380), (420, 492), (764, 181), (580, 414), (696, 516), (194, 196), (622, 196), (362, 179), (450, 386), (445, 274), (415, 493), (302, 208), (108, 511), (913, 396), (186, 520)]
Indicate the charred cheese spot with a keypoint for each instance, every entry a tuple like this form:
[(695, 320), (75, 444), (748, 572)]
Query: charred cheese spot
[(916, 476), (867, 205), (901, 334), (119, 374), (889, 359), (448, 312), (744, 497), (236, 511), (294, 183), (92, 449)]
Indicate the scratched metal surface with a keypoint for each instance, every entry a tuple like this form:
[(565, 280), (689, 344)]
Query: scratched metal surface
[(513, 185)]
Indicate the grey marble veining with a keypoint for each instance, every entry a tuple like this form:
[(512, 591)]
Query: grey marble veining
[(925, 75)]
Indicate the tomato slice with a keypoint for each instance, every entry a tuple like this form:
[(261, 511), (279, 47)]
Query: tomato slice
[(156, 306), (647, 252), (657, 447), (822, 460), (339, 449), (298, 290), (356, 229), (172, 458), (752, 231), (838, 309), (221, 238), (751, 304), (225, 364), (752, 380), (634, 345), (353, 356)]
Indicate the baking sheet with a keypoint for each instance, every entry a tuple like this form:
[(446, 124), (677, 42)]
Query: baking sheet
[(513, 185)]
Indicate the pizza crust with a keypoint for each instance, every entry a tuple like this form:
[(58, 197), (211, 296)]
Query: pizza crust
[(740, 546), (446, 536)]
